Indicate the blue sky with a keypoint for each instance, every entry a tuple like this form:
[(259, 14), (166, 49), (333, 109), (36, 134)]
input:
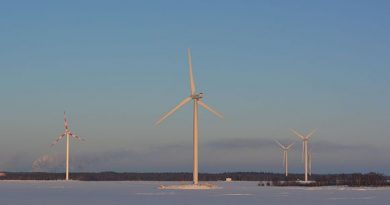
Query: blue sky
[(268, 66)]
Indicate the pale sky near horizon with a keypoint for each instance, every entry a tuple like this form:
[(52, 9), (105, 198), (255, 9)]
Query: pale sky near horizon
[(268, 66)]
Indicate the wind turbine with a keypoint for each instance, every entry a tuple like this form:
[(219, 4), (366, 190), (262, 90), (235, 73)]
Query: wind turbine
[(285, 154), (305, 151), (197, 99), (68, 134)]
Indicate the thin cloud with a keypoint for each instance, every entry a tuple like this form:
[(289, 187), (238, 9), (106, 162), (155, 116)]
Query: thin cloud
[(240, 154), (237, 143)]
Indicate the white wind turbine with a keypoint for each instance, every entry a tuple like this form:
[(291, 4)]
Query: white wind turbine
[(285, 154), (197, 99), (305, 151), (68, 134)]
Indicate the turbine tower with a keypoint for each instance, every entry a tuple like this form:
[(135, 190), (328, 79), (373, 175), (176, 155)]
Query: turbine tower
[(197, 100), (305, 151), (68, 134), (285, 154)]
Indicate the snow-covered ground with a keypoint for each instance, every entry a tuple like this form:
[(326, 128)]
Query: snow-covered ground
[(138, 193)]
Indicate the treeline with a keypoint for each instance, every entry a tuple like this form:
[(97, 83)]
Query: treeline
[(356, 179)]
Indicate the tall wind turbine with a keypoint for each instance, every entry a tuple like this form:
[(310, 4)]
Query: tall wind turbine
[(285, 154), (197, 99), (68, 134), (305, 151)]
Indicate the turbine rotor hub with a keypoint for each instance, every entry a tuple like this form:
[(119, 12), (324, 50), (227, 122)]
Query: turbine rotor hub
[(197, 96)]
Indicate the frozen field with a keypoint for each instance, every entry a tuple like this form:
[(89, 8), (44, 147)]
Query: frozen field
[(138, 193)]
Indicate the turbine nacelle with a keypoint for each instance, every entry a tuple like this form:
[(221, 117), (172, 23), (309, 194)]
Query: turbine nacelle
[(66, 133), (197, 96)]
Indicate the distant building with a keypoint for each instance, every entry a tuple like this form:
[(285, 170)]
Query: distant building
[(228, 179)]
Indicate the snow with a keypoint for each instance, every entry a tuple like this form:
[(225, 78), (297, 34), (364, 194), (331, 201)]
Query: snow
[(139, 193)]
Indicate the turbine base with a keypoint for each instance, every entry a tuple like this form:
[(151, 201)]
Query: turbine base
[(190, 187), (306, 182)]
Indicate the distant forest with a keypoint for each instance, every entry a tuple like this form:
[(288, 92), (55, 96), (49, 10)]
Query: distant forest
[(355, 179)]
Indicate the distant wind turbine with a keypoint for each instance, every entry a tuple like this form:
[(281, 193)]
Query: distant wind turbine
[(197, 99), (305, 151), (285, 155), (68, 134)]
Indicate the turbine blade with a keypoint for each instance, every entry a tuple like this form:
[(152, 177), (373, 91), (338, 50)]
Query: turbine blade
[(284, 158), (280, 145), (65, 122), (192, 82), (297, 134), (58, 139), (183, 102), (289, 146), (201, 103), (77, 137), (311, 133)]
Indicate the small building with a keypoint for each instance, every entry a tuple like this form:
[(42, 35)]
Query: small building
[(228, 179)]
